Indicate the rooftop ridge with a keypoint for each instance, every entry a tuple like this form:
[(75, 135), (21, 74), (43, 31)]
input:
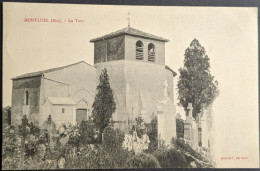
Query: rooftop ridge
[(39, 73), (129, 31)]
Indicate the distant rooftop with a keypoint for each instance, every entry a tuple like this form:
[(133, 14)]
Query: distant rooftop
[(130, 31), (39, 73)]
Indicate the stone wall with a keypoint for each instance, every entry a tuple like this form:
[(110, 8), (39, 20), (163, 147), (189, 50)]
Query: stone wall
[(20, 86)]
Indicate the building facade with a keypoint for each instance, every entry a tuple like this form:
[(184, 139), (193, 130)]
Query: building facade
[(64, 93), (135, 62)]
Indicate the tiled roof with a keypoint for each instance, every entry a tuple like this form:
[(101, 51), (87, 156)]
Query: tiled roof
[(61, 101), (130, 31), (168, 68), (39, 73)]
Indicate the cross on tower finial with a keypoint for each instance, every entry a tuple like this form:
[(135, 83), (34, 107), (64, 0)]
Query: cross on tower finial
[(128, 18)]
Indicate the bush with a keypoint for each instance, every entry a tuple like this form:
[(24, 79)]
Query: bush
[(194, 158), (142, 160), (11, 146), (87, 132), (113, 155), (6, 112), (11, 143), (192, 163), (75, 138), (153, 135), (170, 158), (110, 139), (183, 146), (180, 128)]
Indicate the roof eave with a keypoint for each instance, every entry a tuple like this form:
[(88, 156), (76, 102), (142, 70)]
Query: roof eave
[(22, 77), (108, 37)]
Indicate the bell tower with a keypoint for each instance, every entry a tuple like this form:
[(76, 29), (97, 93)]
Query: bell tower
[(129, 44), (135, 62)]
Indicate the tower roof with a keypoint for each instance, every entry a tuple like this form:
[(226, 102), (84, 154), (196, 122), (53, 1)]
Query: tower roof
[(130, 31)]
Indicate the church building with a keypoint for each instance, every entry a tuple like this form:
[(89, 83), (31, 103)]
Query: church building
[(141, 82)]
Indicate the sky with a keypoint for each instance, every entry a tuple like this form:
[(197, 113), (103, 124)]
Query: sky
[(228, 34)]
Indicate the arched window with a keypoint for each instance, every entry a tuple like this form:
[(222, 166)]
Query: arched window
[(139, 50), (26, 97), (151, 52)]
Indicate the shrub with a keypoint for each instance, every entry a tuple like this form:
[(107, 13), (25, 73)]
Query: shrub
[(75, 138), (110, 139), (194, 158), (170, 158), (180, 128), (90, 157), (112, 153), (11, 146), (6, 112), (153, 135), (192, 162), (140, 126), (11, 143), (87, 132), (183, 146), (30, 146), (142, 160)]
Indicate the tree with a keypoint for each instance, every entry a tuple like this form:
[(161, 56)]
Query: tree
[(196, 85), (104, 105)]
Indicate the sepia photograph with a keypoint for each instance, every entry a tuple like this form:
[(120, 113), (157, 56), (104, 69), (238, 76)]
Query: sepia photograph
[(122, 87)]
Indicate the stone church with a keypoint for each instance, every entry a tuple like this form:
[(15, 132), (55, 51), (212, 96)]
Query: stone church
[(141, 82)]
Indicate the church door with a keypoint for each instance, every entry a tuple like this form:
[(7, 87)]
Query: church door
[(81, 115)]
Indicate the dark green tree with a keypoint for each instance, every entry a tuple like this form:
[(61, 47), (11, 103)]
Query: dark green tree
[(104, 105), (196, 85)]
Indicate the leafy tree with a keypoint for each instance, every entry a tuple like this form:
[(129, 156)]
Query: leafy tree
[(104, 105), (6, 120), (196, 85)]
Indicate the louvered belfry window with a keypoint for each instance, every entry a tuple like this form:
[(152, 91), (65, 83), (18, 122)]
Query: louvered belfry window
[(151, 52), (139, 50)]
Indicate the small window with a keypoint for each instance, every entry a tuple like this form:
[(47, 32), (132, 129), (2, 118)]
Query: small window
[(151, 52), (63, 110), (27, 98), (139, 50)]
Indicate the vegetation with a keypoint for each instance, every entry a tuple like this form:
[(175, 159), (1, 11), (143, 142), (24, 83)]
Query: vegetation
[(170, 158), (153, 134), (180, 128), (193, 156), (143, 160), (104, 105), (29, 147), (196, 85)]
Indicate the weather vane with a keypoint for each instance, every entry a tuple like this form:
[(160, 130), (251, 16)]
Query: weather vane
[(128, 19)]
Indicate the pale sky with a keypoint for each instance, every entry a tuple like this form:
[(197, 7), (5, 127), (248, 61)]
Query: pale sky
[(229, 35)]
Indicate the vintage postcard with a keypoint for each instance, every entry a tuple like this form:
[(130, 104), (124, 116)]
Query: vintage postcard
[(118, 86)]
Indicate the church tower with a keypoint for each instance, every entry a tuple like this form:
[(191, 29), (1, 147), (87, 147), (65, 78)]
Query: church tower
[(135, 62)]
